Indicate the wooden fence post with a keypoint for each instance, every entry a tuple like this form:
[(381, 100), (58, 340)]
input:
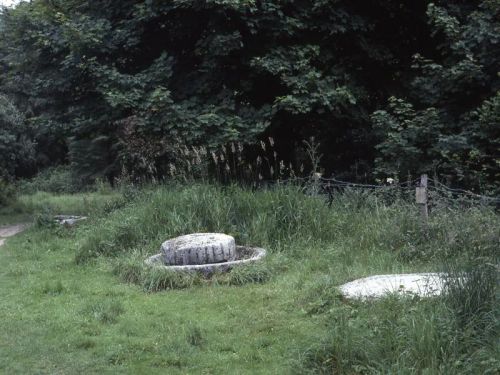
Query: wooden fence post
[(421, 198)]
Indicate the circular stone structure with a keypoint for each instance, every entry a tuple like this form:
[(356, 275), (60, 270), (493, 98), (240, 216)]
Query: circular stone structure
[(198, 248), (419, 284), (204, 252)]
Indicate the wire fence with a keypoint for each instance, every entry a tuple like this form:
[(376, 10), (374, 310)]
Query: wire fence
[(438, 194)]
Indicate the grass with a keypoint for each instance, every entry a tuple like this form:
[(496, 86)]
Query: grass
[(77, 204), (27, 207), (81, 301)]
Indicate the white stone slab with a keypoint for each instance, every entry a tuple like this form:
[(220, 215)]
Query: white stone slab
[(69, 220), (419, 284)]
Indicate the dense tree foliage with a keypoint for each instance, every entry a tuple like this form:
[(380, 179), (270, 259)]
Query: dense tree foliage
[(449, 121), (110, 84), (16, 147)]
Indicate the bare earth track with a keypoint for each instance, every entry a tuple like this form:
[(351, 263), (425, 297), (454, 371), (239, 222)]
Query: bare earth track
[(11, 230)]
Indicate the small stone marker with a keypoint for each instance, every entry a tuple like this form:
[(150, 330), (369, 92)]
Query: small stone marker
[(419, 284)]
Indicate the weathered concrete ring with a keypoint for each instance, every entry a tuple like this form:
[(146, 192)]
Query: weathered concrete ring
[(243, 255), (198, 248)]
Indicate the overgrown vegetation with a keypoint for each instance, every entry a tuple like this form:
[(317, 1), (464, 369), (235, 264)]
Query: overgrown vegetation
[(162, 118), (7, 193), (51, 180), (405, 88), (282, 316)]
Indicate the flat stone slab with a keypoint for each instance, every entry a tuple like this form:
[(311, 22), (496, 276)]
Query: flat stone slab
[(68, 220), (11, 230), (244, 255), (417, 284)]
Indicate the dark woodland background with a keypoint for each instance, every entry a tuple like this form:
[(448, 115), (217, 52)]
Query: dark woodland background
[(386, 88)]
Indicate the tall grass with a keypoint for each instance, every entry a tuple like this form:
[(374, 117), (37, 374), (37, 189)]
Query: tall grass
[(76, 204), (287, 309), (282, 218), (268, 218), (472, 298), (453, 335), (362, 231)]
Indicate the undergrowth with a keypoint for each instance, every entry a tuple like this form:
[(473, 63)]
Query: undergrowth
[(132, 269), (451, 335), (286, 309), (281, 216)]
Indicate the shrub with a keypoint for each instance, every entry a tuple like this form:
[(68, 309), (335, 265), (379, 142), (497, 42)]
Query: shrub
[(45, 218), (52, 180), (7, 193)]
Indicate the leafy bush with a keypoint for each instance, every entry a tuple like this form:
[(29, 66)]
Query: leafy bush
[(7, 193), (448, 122), (45, 218), (52, 180), (17, 150)]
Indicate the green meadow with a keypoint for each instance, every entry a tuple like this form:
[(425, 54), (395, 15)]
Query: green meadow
[(80, 300)]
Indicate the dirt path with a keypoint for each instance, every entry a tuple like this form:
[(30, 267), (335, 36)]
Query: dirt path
[(11, 230)]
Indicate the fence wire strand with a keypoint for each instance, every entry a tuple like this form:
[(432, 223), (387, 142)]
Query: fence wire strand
[(330, 186)]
